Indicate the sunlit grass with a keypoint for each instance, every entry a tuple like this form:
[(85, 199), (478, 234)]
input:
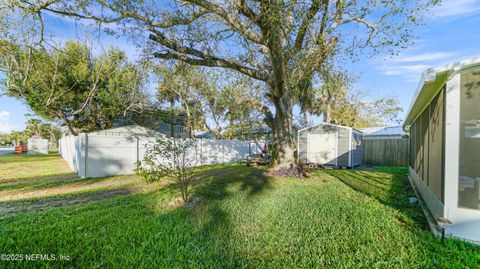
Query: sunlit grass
[(334, 219)]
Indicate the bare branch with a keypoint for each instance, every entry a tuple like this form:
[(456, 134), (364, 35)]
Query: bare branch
[(233, 22), (212, 62), (302, 31)]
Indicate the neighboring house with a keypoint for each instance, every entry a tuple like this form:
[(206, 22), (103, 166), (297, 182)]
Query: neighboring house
[(444, 125), (330, 145), (257, 133), (393, 132), (204, 134), (179, 128), (160, 120), (128, 131)]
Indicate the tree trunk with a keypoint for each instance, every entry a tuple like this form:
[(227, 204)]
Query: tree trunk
[(284, 147), (53, 140), (172, 131), (327, 115), (305, 119), (65, 121)]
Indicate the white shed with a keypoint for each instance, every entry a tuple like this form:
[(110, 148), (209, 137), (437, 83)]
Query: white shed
[(330, 145)]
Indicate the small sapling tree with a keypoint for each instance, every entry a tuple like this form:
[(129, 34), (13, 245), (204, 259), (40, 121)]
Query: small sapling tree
[(172, 159)]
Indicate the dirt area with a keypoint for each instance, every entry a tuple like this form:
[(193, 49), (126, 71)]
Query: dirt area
[(9, 208), (13, 201), (19, 194)]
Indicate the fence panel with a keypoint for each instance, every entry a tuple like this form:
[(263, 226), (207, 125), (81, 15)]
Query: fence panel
[(387, 152), (103, 155)]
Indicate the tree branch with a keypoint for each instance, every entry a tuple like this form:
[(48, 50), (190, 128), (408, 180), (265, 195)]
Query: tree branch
[(233, 22), (214, 62), (302, 31)]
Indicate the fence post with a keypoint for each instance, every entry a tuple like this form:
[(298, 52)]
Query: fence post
[(138, 150), (86, 155)]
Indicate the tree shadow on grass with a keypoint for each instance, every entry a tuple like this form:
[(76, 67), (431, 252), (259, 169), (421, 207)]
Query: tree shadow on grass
[(132, 231), (22, 158), (38, 182), (8, 208), (251, 180), (390, 187), (141, 230)]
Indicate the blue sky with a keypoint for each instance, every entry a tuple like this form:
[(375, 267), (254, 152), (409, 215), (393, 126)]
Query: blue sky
[(450, 33)]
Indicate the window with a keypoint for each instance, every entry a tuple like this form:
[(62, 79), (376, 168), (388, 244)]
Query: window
[(469, 163)]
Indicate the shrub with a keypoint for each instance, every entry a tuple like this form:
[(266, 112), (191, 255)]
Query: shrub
[(169, 159)]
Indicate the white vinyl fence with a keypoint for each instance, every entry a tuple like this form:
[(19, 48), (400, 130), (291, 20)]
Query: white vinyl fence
[(97, 156)]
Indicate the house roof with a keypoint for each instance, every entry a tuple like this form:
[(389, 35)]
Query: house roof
[(431, 82), (383, 131), (129, 130)]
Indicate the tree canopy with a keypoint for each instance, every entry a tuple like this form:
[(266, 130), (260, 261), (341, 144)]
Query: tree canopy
[(69, 85)]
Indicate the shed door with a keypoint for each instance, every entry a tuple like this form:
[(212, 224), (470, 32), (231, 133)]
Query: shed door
[(322, 148)]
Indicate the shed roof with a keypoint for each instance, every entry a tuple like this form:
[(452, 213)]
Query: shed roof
[(431, 82), (331, 124), (383, 131)]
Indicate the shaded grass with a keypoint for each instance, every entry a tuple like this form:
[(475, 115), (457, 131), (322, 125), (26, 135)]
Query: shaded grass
[(387, 185), (33, 171), (335, 219)]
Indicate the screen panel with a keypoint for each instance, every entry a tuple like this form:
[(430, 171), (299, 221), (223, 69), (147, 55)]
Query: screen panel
[(469, 160), (418, 145), (435, 153), (425, 140), (412, 146)]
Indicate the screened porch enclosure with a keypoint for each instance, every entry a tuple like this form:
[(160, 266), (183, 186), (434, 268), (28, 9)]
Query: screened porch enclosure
[(444, 125), (427, 134), (469, 148)]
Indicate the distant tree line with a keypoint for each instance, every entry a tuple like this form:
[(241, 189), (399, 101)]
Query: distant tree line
[(34, 127)]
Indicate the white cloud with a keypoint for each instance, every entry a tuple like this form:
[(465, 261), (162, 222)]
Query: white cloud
[(450, 8), (392, 70), (5, 125), (410, 66), (428, 56)]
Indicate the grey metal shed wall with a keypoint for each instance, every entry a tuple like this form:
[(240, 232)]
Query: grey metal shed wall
[(343, 152), (358, 148)]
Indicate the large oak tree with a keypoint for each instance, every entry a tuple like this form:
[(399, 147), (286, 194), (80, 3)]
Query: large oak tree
[(280, 42)]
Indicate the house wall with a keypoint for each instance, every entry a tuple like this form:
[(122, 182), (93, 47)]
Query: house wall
[(433, 203)]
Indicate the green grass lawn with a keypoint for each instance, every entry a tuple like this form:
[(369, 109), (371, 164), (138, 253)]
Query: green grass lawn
[(334, 219)]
